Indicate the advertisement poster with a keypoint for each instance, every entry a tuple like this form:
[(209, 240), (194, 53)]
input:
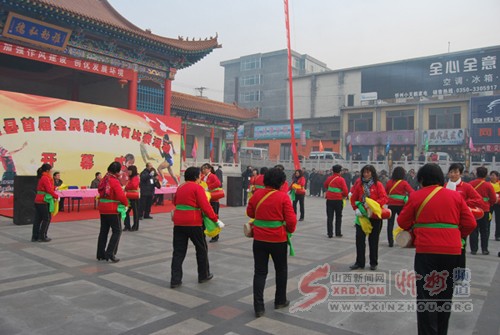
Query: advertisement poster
[(80, 139)]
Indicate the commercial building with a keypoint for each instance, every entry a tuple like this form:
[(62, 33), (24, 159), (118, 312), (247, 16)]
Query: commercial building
[(260, 80)]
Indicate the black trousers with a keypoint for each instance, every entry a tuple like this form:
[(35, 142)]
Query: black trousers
[(133, 206), (372, 242), (433, 322), (145, 205), (245, 195), (182, 234), (334, 207), (390, 222), (279, 253), (300, 199), (496, 210), (41, 222), (483, 228), (109, 221)]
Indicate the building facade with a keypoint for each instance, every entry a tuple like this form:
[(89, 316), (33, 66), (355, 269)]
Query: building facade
[(442, 103), (260, 80)]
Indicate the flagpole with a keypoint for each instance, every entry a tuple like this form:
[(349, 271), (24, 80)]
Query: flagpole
[(290, 83)]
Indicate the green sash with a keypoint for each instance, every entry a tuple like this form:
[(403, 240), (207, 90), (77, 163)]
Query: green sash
[(435, 225), (186, 208), (259, 186), (334, 189), (276, 224), (486, 199), (48, 198), (399, 197), (121, 209)]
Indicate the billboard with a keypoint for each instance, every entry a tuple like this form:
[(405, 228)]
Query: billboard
[(443, 136), (449, 74), (485, 120), (276, 131), (78, 139)]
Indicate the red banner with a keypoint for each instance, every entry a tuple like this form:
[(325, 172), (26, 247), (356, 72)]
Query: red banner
[(65, 61)]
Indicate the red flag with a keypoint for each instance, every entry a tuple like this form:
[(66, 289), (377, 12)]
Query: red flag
[(184, 142), (350, 147), (321, 148), (235, 146), (295, 155)]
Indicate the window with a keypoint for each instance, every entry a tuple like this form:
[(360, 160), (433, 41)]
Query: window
[(150, 99), (442, 118), (250, 64), (298, 64), (250, 80), (250, 96), (360, 122), (400, 120), (350, 100), (206, 151), (285, 151)]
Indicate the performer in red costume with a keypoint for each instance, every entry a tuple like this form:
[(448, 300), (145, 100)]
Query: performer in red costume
[(367, 186), (190, 204), (44, 204), (440, 219)]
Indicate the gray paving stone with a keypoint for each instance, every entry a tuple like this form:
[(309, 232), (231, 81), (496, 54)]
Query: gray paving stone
[(59, 287)]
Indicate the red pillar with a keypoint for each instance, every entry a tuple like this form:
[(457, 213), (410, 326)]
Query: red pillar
[(167, 99), (132, 92)]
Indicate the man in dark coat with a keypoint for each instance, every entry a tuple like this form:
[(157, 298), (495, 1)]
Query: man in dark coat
[(147, 188)]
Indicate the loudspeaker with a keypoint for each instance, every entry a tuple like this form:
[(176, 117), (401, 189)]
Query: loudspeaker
[(24, 199), (234, 191)]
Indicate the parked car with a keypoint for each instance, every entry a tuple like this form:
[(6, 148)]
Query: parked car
[(327, 155)]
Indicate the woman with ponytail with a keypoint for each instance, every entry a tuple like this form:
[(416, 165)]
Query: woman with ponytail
[(44, 204)]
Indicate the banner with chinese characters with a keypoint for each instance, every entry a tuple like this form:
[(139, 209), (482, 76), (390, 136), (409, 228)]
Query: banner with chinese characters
[(464, 72), (80, 139), (443, 136)]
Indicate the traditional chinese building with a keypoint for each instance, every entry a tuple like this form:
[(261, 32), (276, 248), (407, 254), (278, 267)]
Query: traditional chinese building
[(86, 51)]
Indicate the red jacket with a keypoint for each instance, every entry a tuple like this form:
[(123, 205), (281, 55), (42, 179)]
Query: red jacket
[(471, 197), (45, 184), (403, 188), (110, 188), (377, 193), (302, 182), (258, 182), (284, 187), (486, 191), (132, 188), (192, 194), (277, 207), (335, 181), (446, 206), (212, 182)]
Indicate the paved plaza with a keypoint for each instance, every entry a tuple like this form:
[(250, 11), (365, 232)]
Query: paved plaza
[(60, 287)]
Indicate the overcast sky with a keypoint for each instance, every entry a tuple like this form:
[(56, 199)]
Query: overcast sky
[(339, 33)]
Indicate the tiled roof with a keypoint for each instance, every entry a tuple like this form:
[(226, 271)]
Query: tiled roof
[(206, 106), (102, 12)]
